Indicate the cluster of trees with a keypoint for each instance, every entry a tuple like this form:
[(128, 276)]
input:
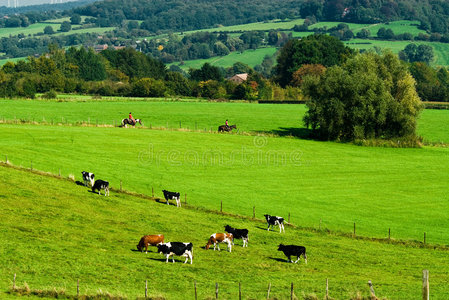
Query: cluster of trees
[(432, 14), (205, 44), (127, 72), (351, 96), (183, 15)]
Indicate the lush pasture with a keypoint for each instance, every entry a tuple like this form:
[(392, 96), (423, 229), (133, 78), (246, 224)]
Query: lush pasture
[(55, 232), (249, 57), (378, 188), (32, 29), (283, 119)]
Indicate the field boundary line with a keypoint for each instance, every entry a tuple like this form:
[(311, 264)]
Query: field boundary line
[(325, 231)]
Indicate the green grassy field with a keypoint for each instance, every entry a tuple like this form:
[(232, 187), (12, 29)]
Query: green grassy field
[(249, 57), (55, 232), (378, 188), (433, 125), (32, 29)]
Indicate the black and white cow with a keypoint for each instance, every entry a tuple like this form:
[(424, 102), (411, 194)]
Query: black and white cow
[(172, 196), (88, 177), (275, 220), (101, 185), (176, 248), (293, 250), (238, 234)]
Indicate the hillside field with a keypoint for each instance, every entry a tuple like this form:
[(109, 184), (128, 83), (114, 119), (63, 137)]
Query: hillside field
[(339, 184), (55, 232)]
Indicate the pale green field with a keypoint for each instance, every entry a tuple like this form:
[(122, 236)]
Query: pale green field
[(249, 57), (30, 30)]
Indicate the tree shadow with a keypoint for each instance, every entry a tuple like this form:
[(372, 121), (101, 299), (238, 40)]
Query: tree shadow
[(301, 133)]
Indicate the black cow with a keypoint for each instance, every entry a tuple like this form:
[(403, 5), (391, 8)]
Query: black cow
[(293, 250), (101, 185), (172, 196), (238, 234), (275, 220), (176, 248), (88, 177)]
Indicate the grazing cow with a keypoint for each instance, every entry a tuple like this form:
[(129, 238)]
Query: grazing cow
[(176, 248), (217, 238), (88, 177), (152, 240), (292, 250), (238, 234), (172, 196), (275, 220), (101, 185)]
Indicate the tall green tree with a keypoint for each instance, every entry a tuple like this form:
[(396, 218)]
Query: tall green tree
[(314, 49), (369, 96)]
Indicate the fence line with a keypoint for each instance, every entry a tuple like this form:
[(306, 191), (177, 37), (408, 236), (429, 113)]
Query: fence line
[(425, 289), (388, 239)]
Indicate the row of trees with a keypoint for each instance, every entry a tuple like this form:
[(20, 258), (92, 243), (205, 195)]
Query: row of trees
[(128, 72)]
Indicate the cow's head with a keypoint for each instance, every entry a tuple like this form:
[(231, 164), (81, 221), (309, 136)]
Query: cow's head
[(267, 217), (281, 247), (139, 247), (162, 248), (228, 228)]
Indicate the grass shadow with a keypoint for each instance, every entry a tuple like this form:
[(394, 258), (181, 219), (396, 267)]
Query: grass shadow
[(79, 183)]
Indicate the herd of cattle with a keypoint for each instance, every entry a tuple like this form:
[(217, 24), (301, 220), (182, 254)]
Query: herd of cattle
[(186, 249)]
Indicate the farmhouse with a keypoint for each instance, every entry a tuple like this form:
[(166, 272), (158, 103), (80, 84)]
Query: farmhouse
[(239, 78)]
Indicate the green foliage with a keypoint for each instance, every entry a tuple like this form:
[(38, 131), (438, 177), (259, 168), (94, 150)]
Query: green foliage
[(50, 95), (206, 72), (369, 96), (313, 49), (65, 26), (48, 30), (414, 53)]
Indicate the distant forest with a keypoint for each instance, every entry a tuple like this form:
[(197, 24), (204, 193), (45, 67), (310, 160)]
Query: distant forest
[(177, 15)]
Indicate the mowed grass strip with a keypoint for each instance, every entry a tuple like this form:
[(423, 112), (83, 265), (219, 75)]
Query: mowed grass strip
[(285, 119), (335, 184), (55, 232)]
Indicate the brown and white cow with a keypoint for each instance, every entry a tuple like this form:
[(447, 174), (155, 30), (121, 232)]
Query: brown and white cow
[(152, 240), (217, 238)]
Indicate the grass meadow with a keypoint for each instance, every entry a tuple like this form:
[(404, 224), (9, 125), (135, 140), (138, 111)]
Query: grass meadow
[(55, 232), (339, 184)]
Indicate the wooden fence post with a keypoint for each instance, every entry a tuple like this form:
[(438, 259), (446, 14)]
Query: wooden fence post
[(240, 291), (152, 192), (370, 284), (196, 295), (269, 289), (78, 288), (14, 282), (291, 292), (31, 165), (424, 237), (389, 233), (146, 288), (120, 185), (320, 224), (185, 198), (216, 290), (59, 172), (354, 229), (254, 212), (425, 284), (6, 158), (180, 124), (288, 218), (327, 288), (221, 206)]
